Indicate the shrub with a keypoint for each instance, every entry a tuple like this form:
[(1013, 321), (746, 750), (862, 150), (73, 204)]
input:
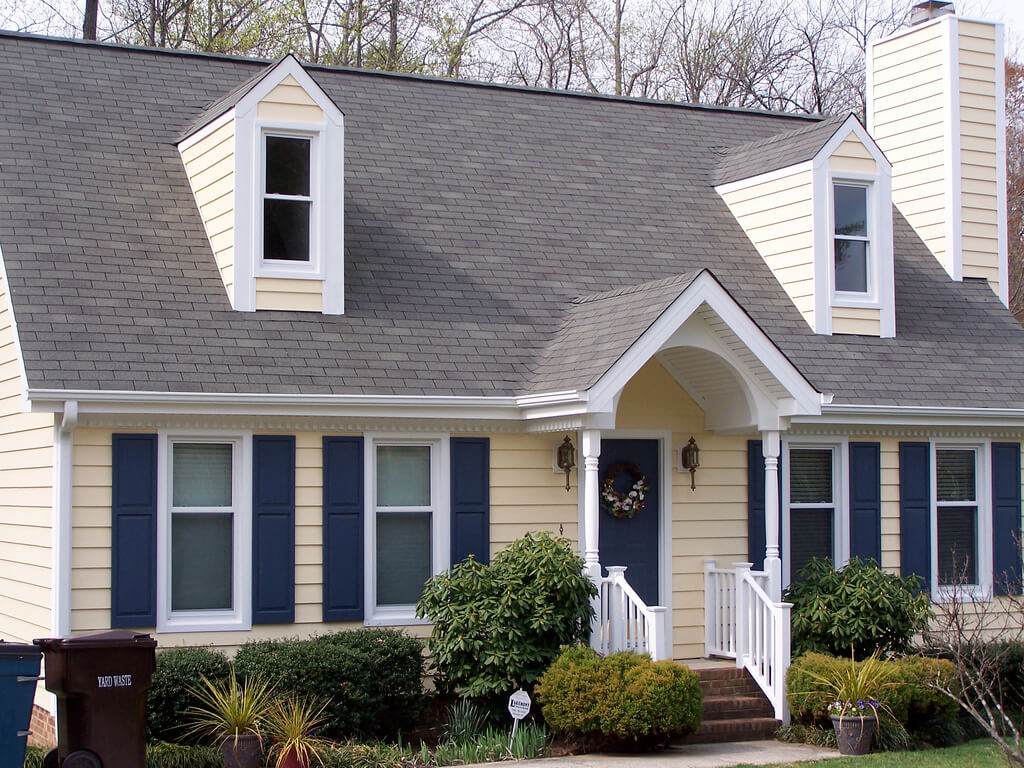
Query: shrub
[(498, 627), (859, 609), (371, 679), (164, 755), (34, 756), (625, 696), (178, 671), (907, 695)]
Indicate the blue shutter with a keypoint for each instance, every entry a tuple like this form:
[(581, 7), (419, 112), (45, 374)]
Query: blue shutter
[(1006, 541), (866, 501), (343, 529), (916, 511), (470, 498), (273, 529), (133, 531)]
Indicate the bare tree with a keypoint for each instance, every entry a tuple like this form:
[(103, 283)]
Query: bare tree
[(1015, 184)]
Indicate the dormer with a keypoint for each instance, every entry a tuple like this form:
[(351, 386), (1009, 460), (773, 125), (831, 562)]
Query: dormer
[(817, 205), (266, 167)]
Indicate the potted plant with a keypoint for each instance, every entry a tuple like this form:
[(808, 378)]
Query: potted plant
[(290, 725), (856, 688), (233, 716)]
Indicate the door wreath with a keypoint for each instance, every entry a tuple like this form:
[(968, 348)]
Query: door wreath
[(625, 504)]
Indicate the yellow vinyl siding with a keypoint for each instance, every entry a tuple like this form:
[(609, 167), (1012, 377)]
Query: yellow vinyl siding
[(289, 102), (26, 500), (710, 521), (852, 157), (978, 156), (777, 216), (210, 167), (862, 321), (288, 294), (907, 104)]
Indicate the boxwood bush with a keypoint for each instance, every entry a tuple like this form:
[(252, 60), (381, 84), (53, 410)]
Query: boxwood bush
[(908, 695), (178, 670), (623, 697), (372, 679), (859, 609), (498, 627)]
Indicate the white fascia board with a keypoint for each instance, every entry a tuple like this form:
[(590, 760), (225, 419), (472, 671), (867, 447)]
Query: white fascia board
[(705, 289), (763, 178), (951, 125), (206, 130), (913, 415)]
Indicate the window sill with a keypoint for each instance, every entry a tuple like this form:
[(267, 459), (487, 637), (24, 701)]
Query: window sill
[(214, 622), (401, 616), (968, 593), (855, 301), (298, 270)]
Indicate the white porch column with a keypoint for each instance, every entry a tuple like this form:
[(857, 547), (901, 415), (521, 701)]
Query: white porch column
[(591, 503), (771, 446)]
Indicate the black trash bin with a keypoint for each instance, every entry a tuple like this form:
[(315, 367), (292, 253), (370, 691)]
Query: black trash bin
[(19, 673), (101, 683)]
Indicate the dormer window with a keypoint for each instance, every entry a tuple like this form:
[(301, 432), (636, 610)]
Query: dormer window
[(287, 198), (851, 240)]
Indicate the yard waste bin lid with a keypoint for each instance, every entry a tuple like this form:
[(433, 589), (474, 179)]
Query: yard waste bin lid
[(18, 649), (118, 638)]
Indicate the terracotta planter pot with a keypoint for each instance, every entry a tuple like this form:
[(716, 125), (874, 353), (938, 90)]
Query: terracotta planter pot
[(243, 752), (292, 760), (853, 734)]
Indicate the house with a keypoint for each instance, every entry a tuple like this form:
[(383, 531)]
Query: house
[(280, 341)]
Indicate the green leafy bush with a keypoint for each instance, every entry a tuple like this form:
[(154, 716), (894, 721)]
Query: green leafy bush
[(860, 608), (625, 696), (178, 670), (371, 679), (164, 755), (907, 695), (498, 627)]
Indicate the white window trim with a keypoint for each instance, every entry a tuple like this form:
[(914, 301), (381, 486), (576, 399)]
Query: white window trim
[(294, 270), (867, 299), (207, 621), (840, 496), (881, 274), (981, 592), (440, 521)]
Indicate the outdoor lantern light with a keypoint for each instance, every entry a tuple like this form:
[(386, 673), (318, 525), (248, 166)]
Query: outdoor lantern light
[(690, 459), (566, 458)]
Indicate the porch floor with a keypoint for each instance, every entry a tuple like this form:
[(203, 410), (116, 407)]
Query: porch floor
[(707, 663)]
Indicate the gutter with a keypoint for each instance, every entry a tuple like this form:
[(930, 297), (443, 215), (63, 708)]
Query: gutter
[(914, 415)]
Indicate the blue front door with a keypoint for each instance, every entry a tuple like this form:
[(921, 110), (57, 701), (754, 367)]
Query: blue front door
[(633, 542)]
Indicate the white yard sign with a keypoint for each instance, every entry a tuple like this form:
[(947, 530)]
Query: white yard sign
[(519, 704)]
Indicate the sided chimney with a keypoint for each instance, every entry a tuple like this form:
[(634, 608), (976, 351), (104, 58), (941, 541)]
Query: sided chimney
[(936, 107)]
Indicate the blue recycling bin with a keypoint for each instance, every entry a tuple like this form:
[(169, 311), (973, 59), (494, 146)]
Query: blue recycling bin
[(19, 672)]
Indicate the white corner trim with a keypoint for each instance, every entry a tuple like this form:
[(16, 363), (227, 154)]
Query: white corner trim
[(60, 615), (821, 237), (25, 404), (763, 178), (1001, 244), (206, 130), (705, 289), (951, 125), (245, 240)]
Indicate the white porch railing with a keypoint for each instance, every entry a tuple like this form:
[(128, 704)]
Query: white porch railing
[(623, 622), (743, 623)]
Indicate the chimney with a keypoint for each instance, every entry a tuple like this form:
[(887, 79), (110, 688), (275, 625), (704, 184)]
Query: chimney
[(936, 107)]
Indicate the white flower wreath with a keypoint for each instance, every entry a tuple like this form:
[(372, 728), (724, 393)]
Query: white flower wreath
[(624, 505)]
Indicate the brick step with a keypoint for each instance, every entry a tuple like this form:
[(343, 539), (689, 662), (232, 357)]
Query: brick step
[(727, 682), (740, 729), (735, 707)]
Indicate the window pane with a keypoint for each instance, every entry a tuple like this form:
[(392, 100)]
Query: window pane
[(287, 166), (403, 557), (954, 475), (810, 476), (957, 534), (851, 266), (851, 210), (810, 535), (202, 475), (286, 230), (201, 562), (403, 476)]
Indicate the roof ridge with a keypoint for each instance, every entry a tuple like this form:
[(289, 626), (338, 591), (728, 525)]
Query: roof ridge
[(650, 102)]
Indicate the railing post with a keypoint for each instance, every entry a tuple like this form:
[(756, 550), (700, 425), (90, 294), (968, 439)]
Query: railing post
[(616, 608), (658, 639), (781, 661), (772, 447), (710, 608), (742, 619)]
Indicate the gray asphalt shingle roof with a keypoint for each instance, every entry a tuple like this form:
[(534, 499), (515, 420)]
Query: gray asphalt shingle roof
[(474, 216), (780, 151)]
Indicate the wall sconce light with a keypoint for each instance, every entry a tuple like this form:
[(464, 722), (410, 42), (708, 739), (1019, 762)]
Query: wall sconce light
[(690, 459), (566, 458)]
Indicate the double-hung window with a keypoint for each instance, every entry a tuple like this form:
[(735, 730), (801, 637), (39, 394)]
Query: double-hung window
[(288, 198), (851, 239), (204, 523), (409, 532), (814, 513), (957, 518)]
